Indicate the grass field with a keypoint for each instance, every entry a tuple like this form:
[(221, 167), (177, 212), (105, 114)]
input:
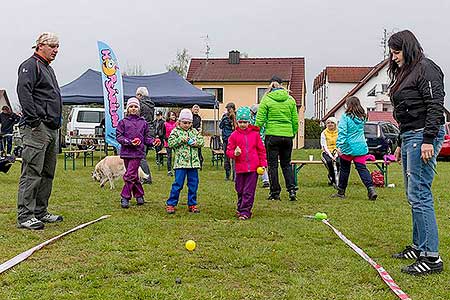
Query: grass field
[(139, 253)]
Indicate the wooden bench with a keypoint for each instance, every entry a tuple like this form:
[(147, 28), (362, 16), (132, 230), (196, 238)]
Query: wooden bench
[(297, 165), (217, 155), (73, 154), (163, 153)]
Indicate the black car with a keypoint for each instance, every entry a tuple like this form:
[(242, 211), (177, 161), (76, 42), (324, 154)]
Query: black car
[(381, 137)]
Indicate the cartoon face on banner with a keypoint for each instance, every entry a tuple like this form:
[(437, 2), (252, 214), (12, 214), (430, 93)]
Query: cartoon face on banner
[(109, 67)]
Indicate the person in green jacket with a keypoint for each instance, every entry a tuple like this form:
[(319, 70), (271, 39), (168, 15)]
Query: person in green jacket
[(277, 112), (184, 141)]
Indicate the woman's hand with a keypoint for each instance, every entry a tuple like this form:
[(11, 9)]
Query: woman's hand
[(427, 152), (398, 154)]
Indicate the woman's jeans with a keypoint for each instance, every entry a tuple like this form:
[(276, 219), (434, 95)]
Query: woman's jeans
[(344, 172), (418, 177), (279, 147)]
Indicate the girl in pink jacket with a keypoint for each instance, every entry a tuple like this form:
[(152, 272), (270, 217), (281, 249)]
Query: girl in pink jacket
[(169, 125), (246, 148)]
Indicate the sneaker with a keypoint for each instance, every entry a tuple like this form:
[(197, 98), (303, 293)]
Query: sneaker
[(50, 218), (170, 173), (170, 209), (32, 224), (408, 253), (425, 265), (266, 185), (292, 195), (274, 197), (371, 193), (147, 181), (339, 194), (194, 209), (140, 201), (124, 203), (243, 217)]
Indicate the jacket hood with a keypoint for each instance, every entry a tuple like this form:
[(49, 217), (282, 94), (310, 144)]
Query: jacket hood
[(279, 95), (356, 120)]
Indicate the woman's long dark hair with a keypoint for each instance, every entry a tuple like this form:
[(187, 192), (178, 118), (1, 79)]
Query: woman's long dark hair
[(412, 53), (354, 108)]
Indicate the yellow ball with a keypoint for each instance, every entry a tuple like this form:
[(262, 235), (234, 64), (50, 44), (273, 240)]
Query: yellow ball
[(260, 170), (190, 245)]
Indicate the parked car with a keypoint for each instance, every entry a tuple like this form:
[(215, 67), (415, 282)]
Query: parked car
[(445, 150), (82, 122), (381, 137)]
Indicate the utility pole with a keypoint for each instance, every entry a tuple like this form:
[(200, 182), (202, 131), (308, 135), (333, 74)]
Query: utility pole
[(208, 48), (384, 44)]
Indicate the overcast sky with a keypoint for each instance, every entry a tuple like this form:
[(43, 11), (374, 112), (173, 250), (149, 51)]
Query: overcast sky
[(149, 33)]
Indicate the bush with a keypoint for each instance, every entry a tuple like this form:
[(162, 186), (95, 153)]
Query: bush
[(312, 129)]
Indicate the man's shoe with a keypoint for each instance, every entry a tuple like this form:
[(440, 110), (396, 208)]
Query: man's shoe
[(408, 253), (425, 265), (140, 201), (371, 193), (124, 203), (32, 224), (50, 218), (274, 197), (292, 195)]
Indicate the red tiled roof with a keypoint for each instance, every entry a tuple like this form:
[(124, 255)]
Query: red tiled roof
[(371, 74), (250, 70), (381, 116), (340, 75)]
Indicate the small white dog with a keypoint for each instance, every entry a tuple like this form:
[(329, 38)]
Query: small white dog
[(110, 168)]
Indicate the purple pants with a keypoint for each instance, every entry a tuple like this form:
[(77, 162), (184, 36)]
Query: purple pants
[(245, 185), (132, 184)]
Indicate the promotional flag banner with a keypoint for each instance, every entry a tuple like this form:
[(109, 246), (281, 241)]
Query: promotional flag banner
[(112, 92)]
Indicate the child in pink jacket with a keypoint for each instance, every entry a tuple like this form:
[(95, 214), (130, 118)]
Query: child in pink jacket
[(246, 148)]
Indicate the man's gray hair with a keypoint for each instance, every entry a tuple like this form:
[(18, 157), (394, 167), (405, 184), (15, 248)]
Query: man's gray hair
[(142, 90)]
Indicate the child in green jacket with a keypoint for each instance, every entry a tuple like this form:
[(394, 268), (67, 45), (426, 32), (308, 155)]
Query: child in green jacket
[(184, 141)]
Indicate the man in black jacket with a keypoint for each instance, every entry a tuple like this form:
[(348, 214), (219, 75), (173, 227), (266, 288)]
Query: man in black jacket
[(147, 112), (7, 121), (40, 98), (160, 132), (197, 124)]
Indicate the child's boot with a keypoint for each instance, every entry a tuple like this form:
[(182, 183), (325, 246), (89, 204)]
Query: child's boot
[(340, 193), (371, 193), (125, 203), (140, 200)]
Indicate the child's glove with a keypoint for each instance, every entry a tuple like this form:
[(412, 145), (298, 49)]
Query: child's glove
[(191, 142), (157, 142), (237, 151), (136, 141)]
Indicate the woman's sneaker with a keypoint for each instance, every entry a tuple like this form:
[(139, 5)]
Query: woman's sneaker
[(32, 224), (408, 253), (51, 218), (425, 265)]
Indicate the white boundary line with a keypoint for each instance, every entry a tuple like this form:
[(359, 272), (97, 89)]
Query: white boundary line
[(24, 255), (381, 271)]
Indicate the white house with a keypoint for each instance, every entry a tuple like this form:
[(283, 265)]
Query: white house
[(332, 84)]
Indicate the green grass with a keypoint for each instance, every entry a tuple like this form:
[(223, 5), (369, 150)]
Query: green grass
[(138, 253)]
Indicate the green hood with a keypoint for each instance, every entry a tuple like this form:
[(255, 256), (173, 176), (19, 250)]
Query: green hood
[(279, 95)]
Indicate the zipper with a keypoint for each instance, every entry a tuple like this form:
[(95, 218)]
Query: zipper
[(246, 152), (431, 89)]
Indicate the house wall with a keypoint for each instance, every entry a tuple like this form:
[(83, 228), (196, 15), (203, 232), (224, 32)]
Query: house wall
[(328, 95), (245, 94)]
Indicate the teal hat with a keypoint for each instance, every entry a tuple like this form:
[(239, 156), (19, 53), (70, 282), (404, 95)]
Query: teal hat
[(243, 114)]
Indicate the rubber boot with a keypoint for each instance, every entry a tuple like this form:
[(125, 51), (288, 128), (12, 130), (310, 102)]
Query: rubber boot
[(371, 193)]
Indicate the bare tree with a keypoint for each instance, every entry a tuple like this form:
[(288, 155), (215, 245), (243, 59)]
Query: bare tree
[(181, 63), (134, 70)]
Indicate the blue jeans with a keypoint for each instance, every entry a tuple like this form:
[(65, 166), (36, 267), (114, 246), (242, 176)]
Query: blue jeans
[(177, 186), (418, 177)]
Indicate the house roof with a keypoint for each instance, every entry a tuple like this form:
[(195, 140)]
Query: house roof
[(372, 73), (291, 70), (340, 75), (381, 116)]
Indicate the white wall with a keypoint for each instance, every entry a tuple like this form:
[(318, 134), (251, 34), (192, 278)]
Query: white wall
[(337, 91)]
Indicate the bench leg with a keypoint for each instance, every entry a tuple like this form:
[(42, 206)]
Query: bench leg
[(296, 170), (384, 170)]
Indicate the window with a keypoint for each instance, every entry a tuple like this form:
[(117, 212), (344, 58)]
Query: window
[(261, 92), (216, 92), (90, 116), (371, 93), (371, 130)]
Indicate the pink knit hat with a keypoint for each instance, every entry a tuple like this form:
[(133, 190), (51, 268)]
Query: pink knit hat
[(133, 101), (185, 115)]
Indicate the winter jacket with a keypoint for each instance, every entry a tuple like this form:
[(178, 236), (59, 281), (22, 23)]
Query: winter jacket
[(39, 93), (351, 140), (196, 121), (168, 127), (186, 156), (160, 129), (131, 127), (227, 127), (419, 100), (278, 114), (7, 121), (253, 153), (147, 112)]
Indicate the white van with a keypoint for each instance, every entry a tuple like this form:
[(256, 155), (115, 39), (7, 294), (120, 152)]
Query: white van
[(82, 122)]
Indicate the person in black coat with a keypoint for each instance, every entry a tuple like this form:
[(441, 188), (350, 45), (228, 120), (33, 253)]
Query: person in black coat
[(197, 124), (7, 121)]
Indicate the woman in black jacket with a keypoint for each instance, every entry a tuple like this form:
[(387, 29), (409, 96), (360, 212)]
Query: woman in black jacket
[(417, 93)]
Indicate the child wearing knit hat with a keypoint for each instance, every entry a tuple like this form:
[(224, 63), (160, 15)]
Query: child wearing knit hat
[(246, 148), (184, 141), (132, 133)]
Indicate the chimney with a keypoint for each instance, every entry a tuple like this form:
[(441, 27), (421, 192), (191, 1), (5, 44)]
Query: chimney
[(233, 57)]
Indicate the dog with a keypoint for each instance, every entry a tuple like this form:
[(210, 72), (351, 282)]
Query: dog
[(110, 168)]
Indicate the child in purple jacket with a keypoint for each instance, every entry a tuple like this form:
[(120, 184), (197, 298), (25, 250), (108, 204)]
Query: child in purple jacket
[(132, 133)]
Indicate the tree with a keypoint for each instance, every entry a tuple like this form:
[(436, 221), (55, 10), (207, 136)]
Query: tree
[(134, 70), (181, 63), (312, 129)]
